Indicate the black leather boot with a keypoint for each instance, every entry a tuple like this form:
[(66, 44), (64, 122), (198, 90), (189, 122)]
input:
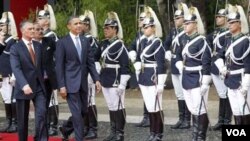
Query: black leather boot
[(222, 111), (8, 118), (152, 119), (112, 133), (202, 127), (13, 124), (228, 112), (246, 119), (181, 107), (187, 118), (238, 120), (159, 126), (53, 120), (120, 124), (92, 116), (145, 121), (195, 128)]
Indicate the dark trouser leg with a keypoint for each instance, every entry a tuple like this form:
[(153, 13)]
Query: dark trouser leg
[(41, 130), (53, 120), (187, 117), (112, 126), (222, 108), (228, 112), (8, 118), (159, 126), (75, 105), (145, 121), (13, 124), (22, 119), (120, 124), (92, 114)]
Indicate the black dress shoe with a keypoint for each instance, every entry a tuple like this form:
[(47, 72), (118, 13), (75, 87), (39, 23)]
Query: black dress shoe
[(91, 135), (52, 132), (64, 134)]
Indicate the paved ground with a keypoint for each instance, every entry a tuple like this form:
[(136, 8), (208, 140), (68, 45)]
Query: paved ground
[(134, 111)]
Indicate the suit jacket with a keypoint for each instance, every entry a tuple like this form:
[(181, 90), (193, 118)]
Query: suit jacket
[(48, 60), (24, 70), (71, 72)]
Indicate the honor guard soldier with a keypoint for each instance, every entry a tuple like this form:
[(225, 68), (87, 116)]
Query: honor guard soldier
[(176, 41), (90, 32), (47, 21), (216, 41), (133, 55), (195, 66), (152, 74), (8, 37), (115, 74), (236, 69)]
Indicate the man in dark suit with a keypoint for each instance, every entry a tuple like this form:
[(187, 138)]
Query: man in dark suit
[(74, 60), (26, 64), (50, 82)]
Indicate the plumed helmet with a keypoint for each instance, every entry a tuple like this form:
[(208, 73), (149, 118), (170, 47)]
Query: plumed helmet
[(194, 16), (48, 12), (113, 20), (152, 20), (88, 18), (236, 13), (8, 18), (181, 11)]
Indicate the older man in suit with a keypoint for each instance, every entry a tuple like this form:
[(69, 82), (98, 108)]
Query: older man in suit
[(26, 64), (74, 60)]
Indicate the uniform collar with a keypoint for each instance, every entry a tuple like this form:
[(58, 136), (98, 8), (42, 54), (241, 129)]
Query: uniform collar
[(193, 35), (113, 39), (235, 37), (180, 29)]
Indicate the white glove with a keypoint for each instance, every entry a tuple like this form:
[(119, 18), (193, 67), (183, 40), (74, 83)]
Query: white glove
[(179, 66), (245, 84), (98, 67), (123, 83), (132, 56), (206, 79), (168, 55), (160, 84), (221, 67), (137, 66), (12, 80)]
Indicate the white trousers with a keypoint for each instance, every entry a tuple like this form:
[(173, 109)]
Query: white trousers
[(91, 91), (196, 104), (238, 102), (177, 83), (112, 98), (220, 86), (152, 103), (6, 91)]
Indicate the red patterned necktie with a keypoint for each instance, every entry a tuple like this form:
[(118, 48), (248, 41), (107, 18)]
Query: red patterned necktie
[(32, 53)]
